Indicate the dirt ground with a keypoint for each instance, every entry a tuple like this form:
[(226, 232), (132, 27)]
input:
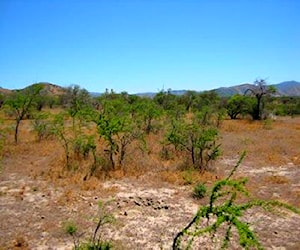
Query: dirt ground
[(34, 206)]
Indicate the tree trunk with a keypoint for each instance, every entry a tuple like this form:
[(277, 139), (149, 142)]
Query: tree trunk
[(193, 155), (112, 159), (18, 121), (258, 110)]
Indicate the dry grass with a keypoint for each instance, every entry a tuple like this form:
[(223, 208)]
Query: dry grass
[(277, 146), (187, 177), (276, 179)]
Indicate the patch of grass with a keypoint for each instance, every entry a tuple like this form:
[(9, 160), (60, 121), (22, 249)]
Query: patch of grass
[(277, 179), (274, 146), (101, 245), (199, 191), (268, 124), (188, 176), (70, 228)]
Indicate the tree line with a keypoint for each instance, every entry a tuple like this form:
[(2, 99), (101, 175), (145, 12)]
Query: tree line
[(189, 122)]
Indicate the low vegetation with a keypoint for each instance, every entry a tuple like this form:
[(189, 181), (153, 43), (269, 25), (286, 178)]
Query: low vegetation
[(224, 213), (96, 241), (179, 138)]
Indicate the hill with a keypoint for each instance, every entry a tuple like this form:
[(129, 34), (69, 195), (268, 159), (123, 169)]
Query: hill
[(4, 91), (287, 88), (50, 88), (229, 91)]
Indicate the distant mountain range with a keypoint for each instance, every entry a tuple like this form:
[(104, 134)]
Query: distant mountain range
[(48, 88), (287, 88)]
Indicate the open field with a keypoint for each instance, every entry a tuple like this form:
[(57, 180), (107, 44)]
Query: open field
[(150, 198)]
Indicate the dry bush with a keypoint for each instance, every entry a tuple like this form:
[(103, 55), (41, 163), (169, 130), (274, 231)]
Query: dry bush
[(20, 243), (187, 177), (276, 147)]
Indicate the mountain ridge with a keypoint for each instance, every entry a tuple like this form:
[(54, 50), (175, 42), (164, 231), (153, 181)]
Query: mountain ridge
[(286, 88)]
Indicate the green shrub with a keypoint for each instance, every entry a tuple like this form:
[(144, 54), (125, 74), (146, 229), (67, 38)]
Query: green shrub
[(41, 126), (199, 191), (224, 212), (188, 176), (70, 228), (95, 242), (101, 245)]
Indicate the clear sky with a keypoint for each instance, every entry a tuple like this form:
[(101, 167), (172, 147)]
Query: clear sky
[(146, 45)]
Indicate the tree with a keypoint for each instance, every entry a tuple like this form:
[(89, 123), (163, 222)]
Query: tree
[(116, 126), (2, 100), (259, 90), (237, 105), (78, 102), (196, 139), (166, 100), (147, 110), (187, 99), (20, 103), (206, 99), (59, 129)]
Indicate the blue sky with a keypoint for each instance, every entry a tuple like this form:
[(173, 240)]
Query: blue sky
[(146, 45)]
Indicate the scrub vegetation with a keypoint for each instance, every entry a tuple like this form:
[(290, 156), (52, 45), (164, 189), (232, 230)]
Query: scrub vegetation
[(76, 141)]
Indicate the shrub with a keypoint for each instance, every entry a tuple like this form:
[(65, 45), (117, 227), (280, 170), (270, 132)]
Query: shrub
[(224, 212), (41, 126), (199, 191), (196, 139), (71, 229), (102, 245), (95, 242), (188, 176)]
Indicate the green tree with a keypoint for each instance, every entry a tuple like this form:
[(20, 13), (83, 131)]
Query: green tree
[(41, 125), (237, 105), (168, 101), (60, 130), (148, 111), (116, 126), (78, 102), (259, 91), (188, 99), (20, 102), (199, 140), (206, 99)]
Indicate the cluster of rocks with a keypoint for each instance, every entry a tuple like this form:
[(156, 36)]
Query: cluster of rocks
[(142, 202)]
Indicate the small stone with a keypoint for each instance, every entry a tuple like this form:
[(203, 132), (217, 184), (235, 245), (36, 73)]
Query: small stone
[(44, 234), (136, 203)]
